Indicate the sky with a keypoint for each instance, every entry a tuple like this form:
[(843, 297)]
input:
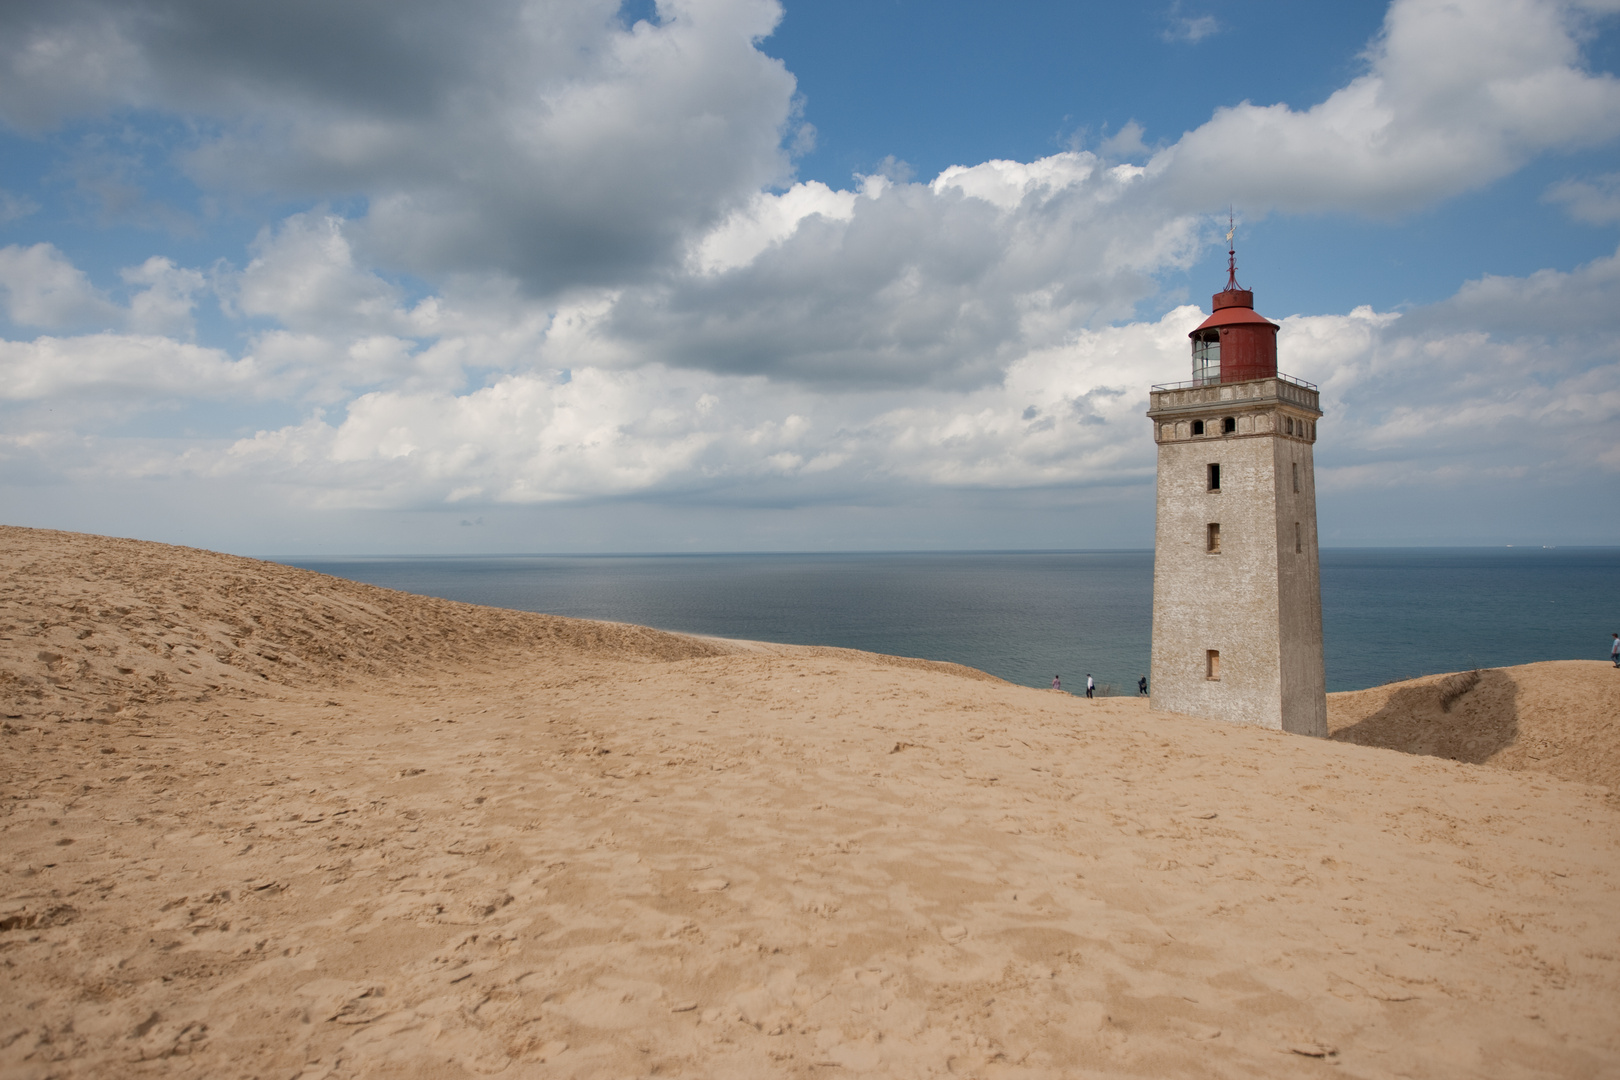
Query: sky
[(401, 277)]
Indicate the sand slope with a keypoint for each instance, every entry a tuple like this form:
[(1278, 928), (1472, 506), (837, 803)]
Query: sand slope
[(1561, 717), (262, 823)]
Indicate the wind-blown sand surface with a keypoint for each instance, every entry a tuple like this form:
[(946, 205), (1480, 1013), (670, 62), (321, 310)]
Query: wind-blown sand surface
[(262, 822)]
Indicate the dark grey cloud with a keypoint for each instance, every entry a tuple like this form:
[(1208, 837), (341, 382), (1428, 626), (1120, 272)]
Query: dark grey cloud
[(376, 57), (921, 285), (544, 141)]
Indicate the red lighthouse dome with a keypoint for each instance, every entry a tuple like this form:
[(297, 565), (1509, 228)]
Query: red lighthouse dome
[(1236, 343)]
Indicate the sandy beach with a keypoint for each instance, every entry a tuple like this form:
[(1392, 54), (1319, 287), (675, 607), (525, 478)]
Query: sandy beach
[(259, 822)]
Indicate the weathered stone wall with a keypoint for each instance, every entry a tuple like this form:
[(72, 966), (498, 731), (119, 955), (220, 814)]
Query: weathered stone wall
[(1299, 593), (1258, 601), (1226, 601)]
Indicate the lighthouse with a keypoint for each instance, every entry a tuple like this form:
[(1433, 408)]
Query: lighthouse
[(1237, 596)]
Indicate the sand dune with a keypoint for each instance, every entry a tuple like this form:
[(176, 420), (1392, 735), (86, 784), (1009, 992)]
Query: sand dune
[(259, 822), (1561, 717)]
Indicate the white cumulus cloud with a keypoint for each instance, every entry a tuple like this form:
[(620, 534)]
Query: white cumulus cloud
[(1596, 201), (117, 366), (44, 289), (1458, 93)]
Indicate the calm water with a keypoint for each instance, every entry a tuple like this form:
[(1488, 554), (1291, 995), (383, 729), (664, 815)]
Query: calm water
[(1387, 613)]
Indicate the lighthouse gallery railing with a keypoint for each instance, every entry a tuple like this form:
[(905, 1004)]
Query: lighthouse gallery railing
[(1215, 380)]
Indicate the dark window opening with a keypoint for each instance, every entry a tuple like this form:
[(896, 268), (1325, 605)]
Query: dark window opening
[(1289, 424), (1212, 539), (1228, 425), (1296, 478), (1214, 477), (1299, 540), (1198, 427), (1212, 665)]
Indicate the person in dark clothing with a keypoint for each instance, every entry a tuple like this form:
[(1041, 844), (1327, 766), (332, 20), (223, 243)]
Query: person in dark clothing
[(1141, 687)]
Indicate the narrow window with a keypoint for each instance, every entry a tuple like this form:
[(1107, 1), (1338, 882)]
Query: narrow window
[(1296, 478), (1213, 538), (1212, 665), (1228, 425), (1288, 424), (1299, 540), (1214, 476), (1198, 427)]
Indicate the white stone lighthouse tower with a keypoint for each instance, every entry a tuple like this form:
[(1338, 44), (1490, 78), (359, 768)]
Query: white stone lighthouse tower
[(1237, 596)]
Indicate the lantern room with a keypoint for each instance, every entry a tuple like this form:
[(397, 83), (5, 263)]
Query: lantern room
[(1235, 344)]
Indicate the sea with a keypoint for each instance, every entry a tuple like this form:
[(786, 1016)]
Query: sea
[(1026, 616)]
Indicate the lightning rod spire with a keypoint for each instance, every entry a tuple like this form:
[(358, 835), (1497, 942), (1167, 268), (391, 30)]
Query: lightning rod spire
[(1231, 252)]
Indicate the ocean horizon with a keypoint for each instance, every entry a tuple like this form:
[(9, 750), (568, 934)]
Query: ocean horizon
[(1025, 616)]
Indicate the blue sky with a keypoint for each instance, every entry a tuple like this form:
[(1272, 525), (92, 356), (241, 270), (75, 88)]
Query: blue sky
[(734, 275)]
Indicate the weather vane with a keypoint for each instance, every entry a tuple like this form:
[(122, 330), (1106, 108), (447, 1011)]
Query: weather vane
[(1231, 252)]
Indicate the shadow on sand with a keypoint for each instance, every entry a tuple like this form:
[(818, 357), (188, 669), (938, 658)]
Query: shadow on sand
[(1462, 718)]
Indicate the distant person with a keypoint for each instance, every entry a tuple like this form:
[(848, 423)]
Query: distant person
[(1141, 686), (1614, 651), (1057, 683), (1090, 687)]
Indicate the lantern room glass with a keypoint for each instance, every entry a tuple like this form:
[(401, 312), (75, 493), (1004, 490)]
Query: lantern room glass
[(1207, 358)]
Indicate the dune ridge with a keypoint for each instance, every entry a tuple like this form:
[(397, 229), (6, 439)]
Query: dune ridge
[(125, 622), (260, 822), (1559, 717)]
